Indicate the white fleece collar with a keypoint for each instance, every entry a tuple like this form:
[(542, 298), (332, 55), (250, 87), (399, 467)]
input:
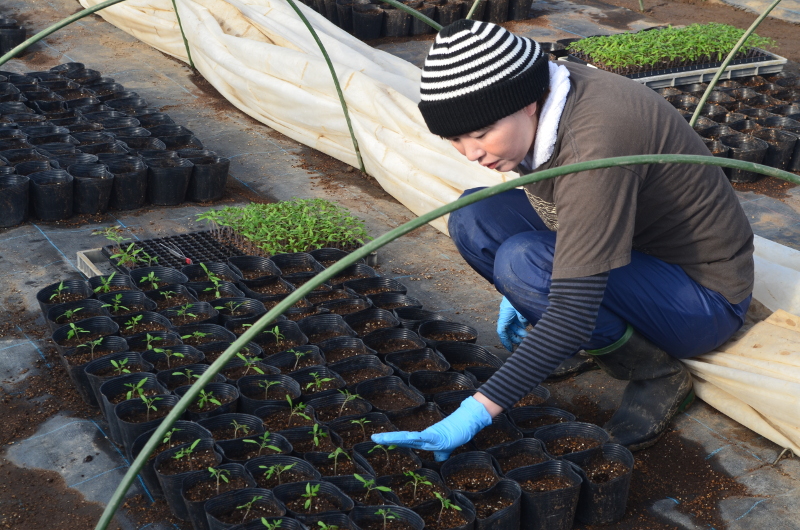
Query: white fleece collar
[(549, 118)]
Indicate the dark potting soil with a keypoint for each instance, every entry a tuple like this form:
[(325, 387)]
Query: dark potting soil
[(249, 451), (203, 491), (378, 524), (316, 389), (425, 364), (546, 483), (126, 369), (489, 506), (123, 396), (419, 421), (315, 338), (66, 297), (424, 493), (193, 340), (491, 436), (371, 325), (342, 353), (450, 407), (343, 467), (271, 288), (600, 469), (354, 434), (280, 420), (269, 304), (331, 412), (570, 444), (446, 388), (328, 296), (393, 345), (319, 504), (519, 460), (474, 479), (395, 464), (196, 461), (213, 355), (80, 315), (346, 310), (304, 361), (296, 268), (286, 477), (208, 407), (357, 376), (242, 515), (128, 310), (540, 421), (147, 326), (451, 336), (209, 296), (143, 416), (229, 433), (531, 400), (240, 371), (166, 343), (391, 400), (367, 498), (276, 347), (252, 275), (393, 305), (472, 364), (173, 301), (299, 282), (83, 358), (278, 393), (183, 320), (325, 445), (375, 290), (174, 362), (346, 278), (436, 519), (83, 339)]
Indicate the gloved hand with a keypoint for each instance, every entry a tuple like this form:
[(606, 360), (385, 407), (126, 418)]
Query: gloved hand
[(510, 325), (442, 438)]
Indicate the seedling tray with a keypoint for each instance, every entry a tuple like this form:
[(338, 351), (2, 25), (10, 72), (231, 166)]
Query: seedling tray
[(764, 63)]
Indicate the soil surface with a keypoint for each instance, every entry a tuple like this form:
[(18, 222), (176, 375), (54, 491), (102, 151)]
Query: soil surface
[(418, 421), (471, 479), (546, 483), (519, 460), (319, 504), (207, 489), (285, 478), (243, 515), (492, 436), (280, 420), (530, 400), (393, 345), (570, 444), (196, 461), (539, 421), (442, 520), (600, 470), (357, 376), (424, 364), (390, 400), (491, 505), (339, 354), (396, 463)]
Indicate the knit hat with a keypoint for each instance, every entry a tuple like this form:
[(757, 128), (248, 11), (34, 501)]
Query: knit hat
[(477, 73)]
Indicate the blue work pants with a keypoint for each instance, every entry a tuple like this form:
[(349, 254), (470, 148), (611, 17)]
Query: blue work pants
[(506, 242)]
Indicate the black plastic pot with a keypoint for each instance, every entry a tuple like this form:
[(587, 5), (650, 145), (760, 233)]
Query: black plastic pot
[(297, 314), (395, 482), (205, 310), (288, 492), (196, 273), (11, 36), (745, 148), (51, 194), (302, 438), (469, 460), (319, 297), (497, 11), (129, 359), (508, 517), (129, 302), (94, 326), (191, 333), (529, 419), (430, 510), (322, 327), (254, 267), (432, 331), (340, 348), (238, 450), (396, 23), (381, 284), (346, 306), (285, 523), (243, 308), (160, 295), (549, 510), (353, 272), (385, 341), (120, 385), (412, 317), (532, 448), (168, 180), (184, 431), (367, 515), (158, 339), (225, 504), (501, 425), (86, 308), (13, 199), (213, 292), (171, 484), (224, 421), (404, 362), (229, 392), (370, 320), (320, 459), (288, 362), (430, 383), (367, 21), (447, 12), (158, 359), (327, 407), (463, 355), (253, 288), (173, 379), (130, 431), (349, 369), (377, 460), (353, 488), (589, 431), (305, 378), (377, 389), (196, 509), (251, 393), (604, 502), (166, 276), (401, 417), (781, 147), (156, 118), (450, 401), (254, 367), (33, 166)]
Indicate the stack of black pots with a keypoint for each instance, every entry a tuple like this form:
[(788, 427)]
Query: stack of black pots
[(11, 35), (74, 142), (371, 19), (294, 412), (756, 119)]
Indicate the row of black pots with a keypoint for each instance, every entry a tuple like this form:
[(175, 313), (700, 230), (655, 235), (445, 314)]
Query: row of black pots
[(11, 36)]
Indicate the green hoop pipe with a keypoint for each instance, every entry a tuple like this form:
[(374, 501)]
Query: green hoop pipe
[(728, 60), (335, 81), (183, 35), (55, 27), (377, 243)]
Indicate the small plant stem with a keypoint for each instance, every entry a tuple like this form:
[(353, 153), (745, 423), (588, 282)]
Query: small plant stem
[(335, 81), (338, 267), (641, 6), (183, 35), (728, 60), (55, 27), (472, 9), (414, 13)]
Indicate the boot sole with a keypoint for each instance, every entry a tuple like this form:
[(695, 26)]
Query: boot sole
[(687, 401)]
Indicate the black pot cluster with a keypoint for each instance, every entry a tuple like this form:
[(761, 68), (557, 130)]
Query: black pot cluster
[(74, 142), (756, 119), (298, 407), (371, 19), (11, 35)]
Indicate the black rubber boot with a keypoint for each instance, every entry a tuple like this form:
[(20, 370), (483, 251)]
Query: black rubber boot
[(660, 386), (578, 363)]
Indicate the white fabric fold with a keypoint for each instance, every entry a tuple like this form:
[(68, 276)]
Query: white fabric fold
[(549, 118)]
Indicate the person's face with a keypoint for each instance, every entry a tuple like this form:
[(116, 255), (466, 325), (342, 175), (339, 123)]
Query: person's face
[(503, 144)]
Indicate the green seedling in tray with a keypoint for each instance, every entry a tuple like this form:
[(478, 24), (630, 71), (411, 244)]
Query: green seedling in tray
[(105, 284), (92, 345), (248, 506), (75, 331), (446, 504), (263, 442), (416, 480), (312, 491), (186, 451), (296, 410), (369, 485), (387, 515), (335, 456), (120, 367), (168, 435), (271, 526), (69, 313), (318, 381), (276, 470), (206, 398), (221, 475), (149, 404), (266, 385), (136, 390), (361, 422), (116, 304), (384, 449)]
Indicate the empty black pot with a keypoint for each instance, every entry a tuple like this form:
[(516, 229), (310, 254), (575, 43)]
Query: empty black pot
[(93, 185), (13, 199), (52, 194), (745, 148), (781, 147), (209, 177), (548, 510), (168, 180), (367, 21)]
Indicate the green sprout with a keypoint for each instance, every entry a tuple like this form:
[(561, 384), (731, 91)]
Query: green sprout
[(296, 410), (75, 331), (132, 322), (266, 385), (231, 307), (275, 332), (112, 233), (251, 363), (92, 345), (116, 304), (316, 384), (207, 398), (69, 313), (310, 494), (188, 374), (446, 505), (361, 422), (370, 485), (195, 335), (416, 480), (348, 397), (168, 435), (186, 451), (150, 339), (105, 283), (387, 515), (152, 279), (168, 354), (59, 291), (219, 475), (271, 526), (263, 443), (318, 434), (149, 404), (136, 389), (183, 311), (127, 257), (120, 367), (335, 456), (384, 449), (249, 506), (277, 470), (297, 356)]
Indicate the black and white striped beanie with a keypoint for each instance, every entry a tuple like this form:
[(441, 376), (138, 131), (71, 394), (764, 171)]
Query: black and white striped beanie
[(477, 73)]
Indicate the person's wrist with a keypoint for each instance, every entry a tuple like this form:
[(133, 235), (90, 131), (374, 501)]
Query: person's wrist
[(492, 408)]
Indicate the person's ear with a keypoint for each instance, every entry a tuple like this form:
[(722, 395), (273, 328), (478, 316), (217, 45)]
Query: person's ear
[(531, 109)]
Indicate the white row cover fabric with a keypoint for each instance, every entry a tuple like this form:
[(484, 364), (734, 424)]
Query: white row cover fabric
[(260, 56)]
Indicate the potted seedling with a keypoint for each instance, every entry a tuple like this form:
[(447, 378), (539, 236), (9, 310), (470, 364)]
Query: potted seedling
[(120, 367), (116, 304), (169, 354), (149, 403), (297, 355), (416, 481), (195, 337), (317, 384), (271, 526), (370, 485), (276, 470), (335, 456), (105, 284), (91, 345), (312, 491), (387, 514), (296, 410), (348, 397), (317, 434), (251, 363), (206, 399), (384, 449), (151, 339), (263, 442), (446, 504), (69, 314), (136, 390), (150, 279), (219, 475), (248, 506), (266, 385)]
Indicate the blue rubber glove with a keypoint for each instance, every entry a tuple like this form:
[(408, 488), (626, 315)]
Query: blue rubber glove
[(442, 438), (510, 325)]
